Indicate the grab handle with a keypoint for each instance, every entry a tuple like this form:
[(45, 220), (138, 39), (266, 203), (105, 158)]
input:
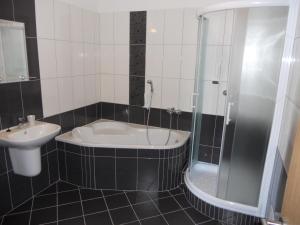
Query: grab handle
[(193, 100), (230, 104)]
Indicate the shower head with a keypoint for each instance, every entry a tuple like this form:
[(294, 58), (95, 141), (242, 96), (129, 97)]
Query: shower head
[(151, 85)]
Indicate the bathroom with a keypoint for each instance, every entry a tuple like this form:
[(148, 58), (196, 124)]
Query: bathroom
[(149, 112)]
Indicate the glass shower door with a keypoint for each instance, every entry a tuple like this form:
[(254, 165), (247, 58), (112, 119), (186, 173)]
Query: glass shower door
[(258, 40)]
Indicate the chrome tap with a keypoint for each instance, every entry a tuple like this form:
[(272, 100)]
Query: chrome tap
[(21, 122)]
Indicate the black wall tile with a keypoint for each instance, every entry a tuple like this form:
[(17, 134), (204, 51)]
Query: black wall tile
[(185, 121), (136, 115), (32, 57), (136, 90), (216, 155), (67, 121), (218, 131), (154, 118), (108, 110), (121, 112), (104, 152), (165, 120), (5, 203), (99, 110), (137, 60), (41, 181), (205, 153), (2, 161), (32, 99), (126, 171), (62, 164), (53, 166), (74, 170), (20, 188), (91, 113), (6, 10), (105, 172), (138, 20), (207, 129), (24, 11), (126, 153), (148, 174), (80, 117)]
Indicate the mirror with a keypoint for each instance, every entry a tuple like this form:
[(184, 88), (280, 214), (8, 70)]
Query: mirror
[(13, 54)]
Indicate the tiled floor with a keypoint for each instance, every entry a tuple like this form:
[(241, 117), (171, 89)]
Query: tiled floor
[(65, 204)]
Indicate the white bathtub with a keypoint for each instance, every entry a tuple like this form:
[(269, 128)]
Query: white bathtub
[(112, 134)]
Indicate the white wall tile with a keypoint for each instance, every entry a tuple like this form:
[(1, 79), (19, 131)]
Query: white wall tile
[(107, 88), (77, 58), (62, 20), (155, 27), (65, 90), (221, 99), (90, 82), (63, 57), (225, 63), (228, 27), (188, 67), (44, 10), (186, 91), (121, 28), (154, 60), (213, 62), (89, 26), (107, 59), (170, 93), (50, 97), (173, 26), (210, 100), (190, 27), (157, 86), (121, 61), (98, 59), (172, 61), (107, 28), (98, 87), (90, 52), (76, 23), (47, 58), (78, 91), (121, 94), (215, 29)]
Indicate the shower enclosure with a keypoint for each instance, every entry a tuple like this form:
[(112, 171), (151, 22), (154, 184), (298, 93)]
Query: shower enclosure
[(241, 51)]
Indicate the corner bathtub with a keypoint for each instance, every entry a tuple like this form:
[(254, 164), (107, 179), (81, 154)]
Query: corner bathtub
[(116, 155)]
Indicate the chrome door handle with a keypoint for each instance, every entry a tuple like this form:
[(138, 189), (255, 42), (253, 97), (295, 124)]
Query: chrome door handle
[(230, 104)]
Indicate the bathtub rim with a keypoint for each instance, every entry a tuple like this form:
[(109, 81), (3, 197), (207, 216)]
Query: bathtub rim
[(68, 138)]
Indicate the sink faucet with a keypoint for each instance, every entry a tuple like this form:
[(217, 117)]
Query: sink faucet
[(21, 122)]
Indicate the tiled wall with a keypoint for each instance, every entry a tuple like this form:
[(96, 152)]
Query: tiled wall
[(17, 100), (291, 119)]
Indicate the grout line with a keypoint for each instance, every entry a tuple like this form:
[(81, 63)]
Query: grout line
[(29, 222), (132, 208), (81, 206), (107, 209)]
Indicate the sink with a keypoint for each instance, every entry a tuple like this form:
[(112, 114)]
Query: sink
[(24, 144)]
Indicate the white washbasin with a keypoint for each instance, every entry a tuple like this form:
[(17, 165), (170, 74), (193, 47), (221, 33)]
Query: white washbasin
[(29, 137), (24, 145)]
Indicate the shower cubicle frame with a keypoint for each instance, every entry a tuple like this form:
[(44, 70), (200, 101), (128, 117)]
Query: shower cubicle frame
[(260, 210)]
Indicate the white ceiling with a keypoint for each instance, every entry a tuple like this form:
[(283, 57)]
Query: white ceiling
[(134, 5)]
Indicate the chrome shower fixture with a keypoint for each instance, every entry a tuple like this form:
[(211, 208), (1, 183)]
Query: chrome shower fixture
[(151, 85)]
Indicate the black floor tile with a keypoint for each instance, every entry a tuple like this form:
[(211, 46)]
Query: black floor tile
[(182, 201), (74, 221), (94, 205), (123, 215), (176, 191), (167, 204), (49, 190), (158, 220), (17, 219), (196, 216), (43, 216), (69, 211), (156, 195), (145, 210), (212, 222), (68, 197), (44, 201), (133, 223), (63, 186), (25, 207), (178, 218), (111, 192), (117, 201), (137, 196), (98, 218), (88, 194)]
